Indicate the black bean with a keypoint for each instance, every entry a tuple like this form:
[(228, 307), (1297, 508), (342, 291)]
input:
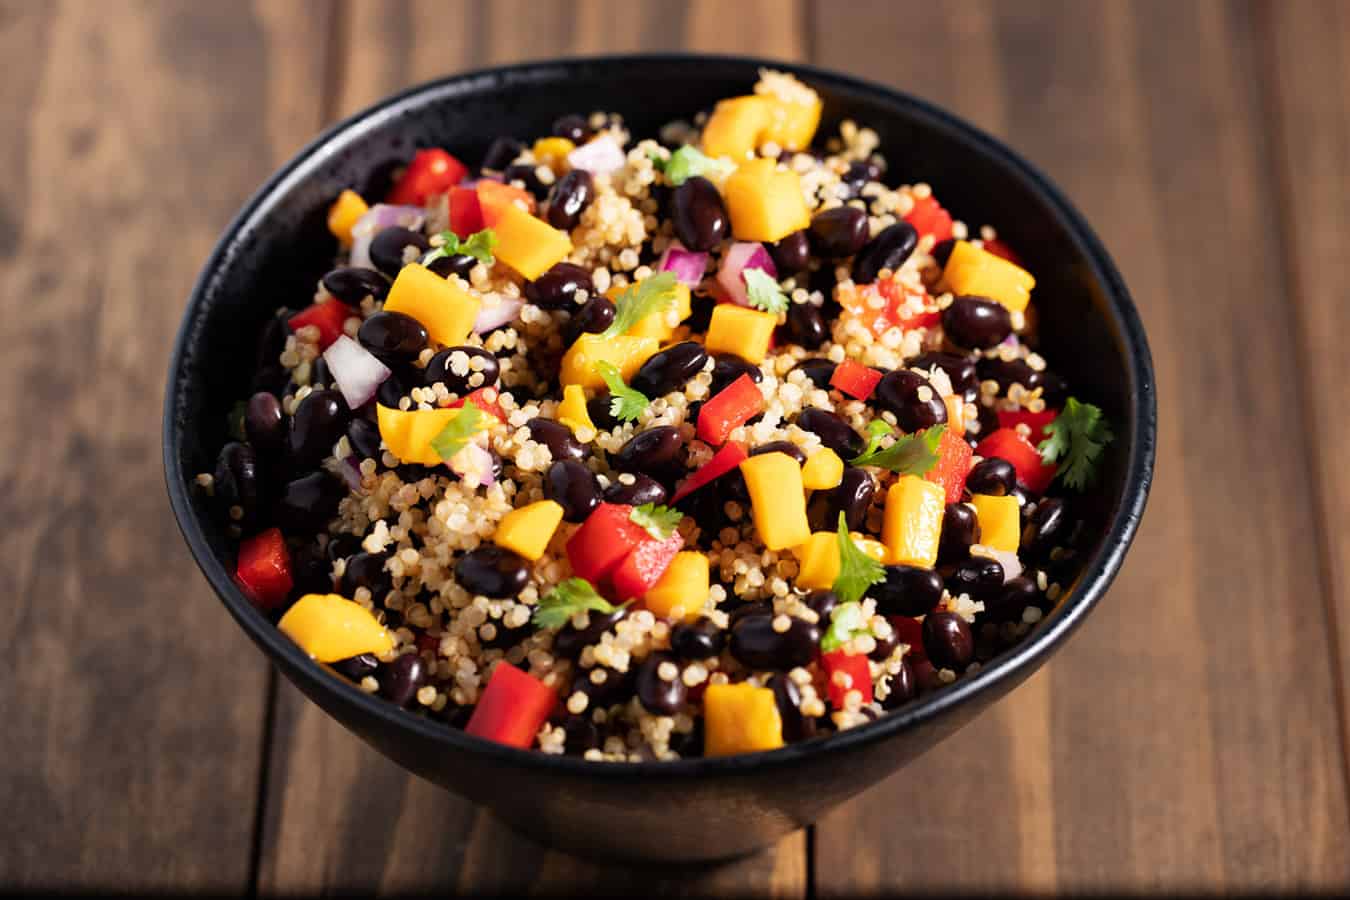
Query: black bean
[(839, 232), (525, 174), (340, 546), (353, 284), (947, 640), (569, 642), (493, 572), (727, 367), (358, 667), (573, 487), (903, 687), (700, 218), (393, 336), (401, 679), (1008, 372), (557, 437), (909, 395), (311, 571), (642, 490), (859, 174), (649, 451), (852, 497), (942, 251), (960, 529), (599, 408), (308, 503), (366, 570), (568, 199), (700, 639), (594, 317), (756, 644), (670, 369), (806, 325), (364, 436), (1046, 527), (888, 250), (747, 608), (614, 687), (788, 698), (319, 421), (656, 694), (1010, 600), (976, 322), (460, 264), (832, 430), (579, 735), (557, 288), (907, 591), (238, 482), (992, 476), (960, 370), (791, 254), (441, 370), (501, 153), (819, 371), (885, 646), (787, 447), (571, 126), (822, 602), (978, 576), (1054, 389), (265, 423), (1025, 499), (389, 248)]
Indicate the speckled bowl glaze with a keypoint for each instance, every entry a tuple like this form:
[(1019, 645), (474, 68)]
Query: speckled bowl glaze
[(696, 809)]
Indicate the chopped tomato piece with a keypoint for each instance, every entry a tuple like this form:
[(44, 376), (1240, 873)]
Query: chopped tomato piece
[(493, 197), (513, 707), (1034, 421), (466, 216), (327, 316), (485, 398), (1032, 472), (846, 672), (910, 631), (724, 460), (883, 305), (264, 569), (729, 409), (928, 217), (854, 379), (431, 172), (603, 540), (952, 466), (643, 567)]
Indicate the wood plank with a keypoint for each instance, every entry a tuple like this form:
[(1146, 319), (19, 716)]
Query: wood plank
[(1187, 737), (133, 705), (339, 815)]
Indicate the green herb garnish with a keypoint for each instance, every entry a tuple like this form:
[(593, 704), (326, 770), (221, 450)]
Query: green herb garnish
[(857, 570), (457, 432), (658, 521), (650, 295), (625, 404), (846, 623), (567, 599), (763, 291), (1078, 435), (687, 162), (479, 245), (876, 430), (911, 454)]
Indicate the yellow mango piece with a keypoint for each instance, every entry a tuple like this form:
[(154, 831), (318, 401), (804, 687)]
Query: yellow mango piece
[(684, 585), (572, 411), (736, 126), (777, 499), (445, 309), (552, 152), (528, 530), (408, 433), (740, 330), (764, 203), (823, 470), (1000, 521), (740, 718), (625, 352), (974, 270), (330, 627), (912, 523), (818, 558), (791, 125), (657, 325), (530, 246), (956, 412), (342, 215)]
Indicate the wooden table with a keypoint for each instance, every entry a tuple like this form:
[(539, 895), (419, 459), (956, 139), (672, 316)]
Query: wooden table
[(1191, 737)]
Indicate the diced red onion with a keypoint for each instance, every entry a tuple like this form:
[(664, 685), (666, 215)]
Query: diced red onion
[(490, 317), (599, 157), (687, 265), (355, 370), (1012, 566), (739, 257), (350, 470), (473, 464), (378, 217)]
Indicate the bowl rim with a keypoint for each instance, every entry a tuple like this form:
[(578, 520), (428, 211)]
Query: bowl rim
[(1008, 665)]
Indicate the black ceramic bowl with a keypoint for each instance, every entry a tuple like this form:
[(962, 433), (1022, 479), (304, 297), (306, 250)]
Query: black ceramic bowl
[(693, 809)]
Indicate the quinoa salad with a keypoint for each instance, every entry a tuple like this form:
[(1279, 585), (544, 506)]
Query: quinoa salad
[(645, 449)]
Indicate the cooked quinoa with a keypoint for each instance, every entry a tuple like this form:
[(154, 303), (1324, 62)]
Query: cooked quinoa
[(642, 449)]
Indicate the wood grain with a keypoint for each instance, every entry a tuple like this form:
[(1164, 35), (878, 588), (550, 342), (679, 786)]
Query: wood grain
[(133, 706), (338, 815), (1187, 738)]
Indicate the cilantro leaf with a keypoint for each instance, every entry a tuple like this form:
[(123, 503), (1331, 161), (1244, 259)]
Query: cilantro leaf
[(659, 162), (457, 432), (687, 162), (659, 521), (911, 454), (566, 600), (652, 294), (1078, 435), (479, 245), (763, 291), (846, 623), (857, 570), (625, 404), (876, 430)]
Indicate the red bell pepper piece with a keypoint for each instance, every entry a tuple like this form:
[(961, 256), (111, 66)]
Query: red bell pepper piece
[(327, 316), (431, 172), (603, 540), (493, 197), (724, 460), (928, 217), (513, 707), (1034, 421), (466, 216), (859, 678), (952, 466), (1032, 471), (854, 379), (644, 566), (485, 398), (729, 409), (264, 569), (998, 248), (881, 317), (910, 631), (921, 320)]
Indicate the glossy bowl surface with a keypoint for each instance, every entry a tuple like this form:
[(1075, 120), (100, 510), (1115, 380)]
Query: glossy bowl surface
[(698, 809)]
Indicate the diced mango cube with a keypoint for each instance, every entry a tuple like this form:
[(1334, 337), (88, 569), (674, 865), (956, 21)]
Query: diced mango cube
[(912, 523), (552, 152), (973, 270), (658, 325), (792, 125), (528, 530), (408, 433), (777, 499), (764, 203), (342, 215), (740, 718), (740, 330), (823, 470), (818, 558), (530, 246), (445, 309), (735, 127), (330, 627), (572, 410), (1000, 521), (684, 586), (626, 353)]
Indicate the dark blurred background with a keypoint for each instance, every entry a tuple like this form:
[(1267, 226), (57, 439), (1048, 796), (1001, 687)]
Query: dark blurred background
[(1191, 737)]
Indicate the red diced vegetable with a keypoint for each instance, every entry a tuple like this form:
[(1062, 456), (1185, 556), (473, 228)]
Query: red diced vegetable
[(427, 642), (998, 248), (513, 707), (839, 664), (921, 320), (485, 398), (854, 379), (327, 316), (264, 569), (431, 172), (928, 217), (1034, 421), (1005, 443), (910, 631), (723, 461), (952, 466), (644, 566), (729, 409), (603, 540), (494, 197), (466, 216)]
